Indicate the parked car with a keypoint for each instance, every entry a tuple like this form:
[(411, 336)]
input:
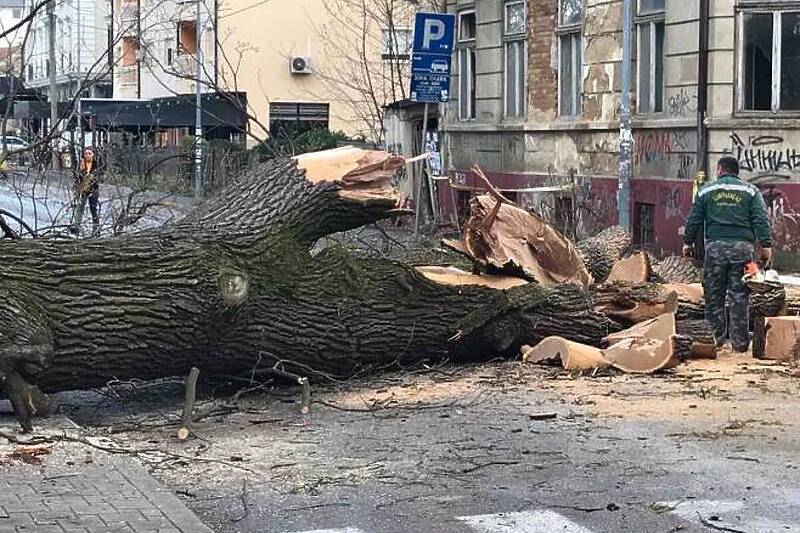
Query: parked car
[(13, 144)]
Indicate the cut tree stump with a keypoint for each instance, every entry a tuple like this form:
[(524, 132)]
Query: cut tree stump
[(782, 335), (632, 269), (600, 252), (234, 288)]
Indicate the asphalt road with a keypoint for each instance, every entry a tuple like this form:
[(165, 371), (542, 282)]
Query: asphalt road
[(712, 447)]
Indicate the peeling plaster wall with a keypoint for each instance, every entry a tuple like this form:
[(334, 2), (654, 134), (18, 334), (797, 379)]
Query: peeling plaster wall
[(545, 146)]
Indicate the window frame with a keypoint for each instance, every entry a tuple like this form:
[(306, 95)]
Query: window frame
[(651, 19), (461, 14), (756, 7), (515, 39), (570, 31), (469, 52), (386, 54)]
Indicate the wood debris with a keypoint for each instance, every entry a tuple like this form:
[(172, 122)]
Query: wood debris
[(573, 355), (645, 348), (505, 238), (782, 335), (633, 269)]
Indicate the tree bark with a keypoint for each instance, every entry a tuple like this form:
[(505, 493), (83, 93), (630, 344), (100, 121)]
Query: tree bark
[(235, 287)]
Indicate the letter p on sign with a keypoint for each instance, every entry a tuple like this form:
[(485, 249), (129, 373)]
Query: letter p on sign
[(434, 31)]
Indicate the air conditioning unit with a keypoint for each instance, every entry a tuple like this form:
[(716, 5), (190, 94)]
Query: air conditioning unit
[(300, 65)]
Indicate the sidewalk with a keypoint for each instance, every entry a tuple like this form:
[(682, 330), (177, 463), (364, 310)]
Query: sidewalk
[(79, 489)]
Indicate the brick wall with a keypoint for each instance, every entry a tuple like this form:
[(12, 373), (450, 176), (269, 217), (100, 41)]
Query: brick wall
[(542, 77)]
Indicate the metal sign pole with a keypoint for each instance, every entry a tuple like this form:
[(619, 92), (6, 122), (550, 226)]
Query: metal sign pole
[(420, 175)]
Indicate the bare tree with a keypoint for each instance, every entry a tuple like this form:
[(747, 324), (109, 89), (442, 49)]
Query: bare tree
[(367, 47)]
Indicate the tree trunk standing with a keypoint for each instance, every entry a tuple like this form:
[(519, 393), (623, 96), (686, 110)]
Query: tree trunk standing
[(234, 286)]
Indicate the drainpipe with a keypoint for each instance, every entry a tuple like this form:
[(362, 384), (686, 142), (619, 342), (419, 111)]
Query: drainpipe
[(139, 49), (702, 89), (625, 133)]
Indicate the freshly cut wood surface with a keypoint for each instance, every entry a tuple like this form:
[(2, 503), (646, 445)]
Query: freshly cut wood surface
[(456, 276), (364, 175), (634, 269), (782, 334)]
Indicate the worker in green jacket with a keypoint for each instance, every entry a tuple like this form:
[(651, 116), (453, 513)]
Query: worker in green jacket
[(735, 217)]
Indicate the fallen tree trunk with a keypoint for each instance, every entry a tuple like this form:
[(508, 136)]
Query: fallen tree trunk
[(234, 287)]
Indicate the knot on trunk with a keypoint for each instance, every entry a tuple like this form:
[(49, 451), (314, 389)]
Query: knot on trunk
[(234, 288)]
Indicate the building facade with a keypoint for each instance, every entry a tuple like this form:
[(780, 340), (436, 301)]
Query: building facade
[(12, 12), (309, 64), (82, 44), (537, 99), (155, 50)]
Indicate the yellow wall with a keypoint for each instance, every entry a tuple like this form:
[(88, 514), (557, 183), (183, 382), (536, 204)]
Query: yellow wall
[(257, 38)]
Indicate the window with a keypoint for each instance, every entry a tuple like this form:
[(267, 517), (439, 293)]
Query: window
[(187, 37), (16, 12), (514, 31), (288, 121), (769, 55), (647, 7), (467, 78), (570, 57), (650, 31), (396, 45), (644, 228), (467, 28)]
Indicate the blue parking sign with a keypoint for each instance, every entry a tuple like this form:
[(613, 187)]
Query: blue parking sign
[(434, 38), (434, 33)]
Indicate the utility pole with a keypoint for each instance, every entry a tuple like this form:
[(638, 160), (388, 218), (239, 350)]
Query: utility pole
[(198, 119), (80, 77), (625, 133), (51, 44)]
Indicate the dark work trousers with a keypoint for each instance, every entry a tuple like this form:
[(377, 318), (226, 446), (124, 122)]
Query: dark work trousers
[(723, 271)]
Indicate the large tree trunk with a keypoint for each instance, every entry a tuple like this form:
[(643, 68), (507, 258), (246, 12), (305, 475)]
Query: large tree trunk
[(235, 286)]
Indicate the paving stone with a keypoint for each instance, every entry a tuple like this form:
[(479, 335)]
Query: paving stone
[(118, 496)]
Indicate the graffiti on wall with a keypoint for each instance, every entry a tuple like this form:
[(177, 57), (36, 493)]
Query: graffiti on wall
[(765, 155), (682, 104), (673, 202), (784, 218), (665, 153)]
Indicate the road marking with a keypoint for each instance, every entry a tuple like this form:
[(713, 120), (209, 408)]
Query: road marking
[(341, 530), (727, 514), (542, 521)]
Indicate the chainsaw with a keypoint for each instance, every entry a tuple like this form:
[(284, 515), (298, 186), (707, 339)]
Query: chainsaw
[(754, 272)]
